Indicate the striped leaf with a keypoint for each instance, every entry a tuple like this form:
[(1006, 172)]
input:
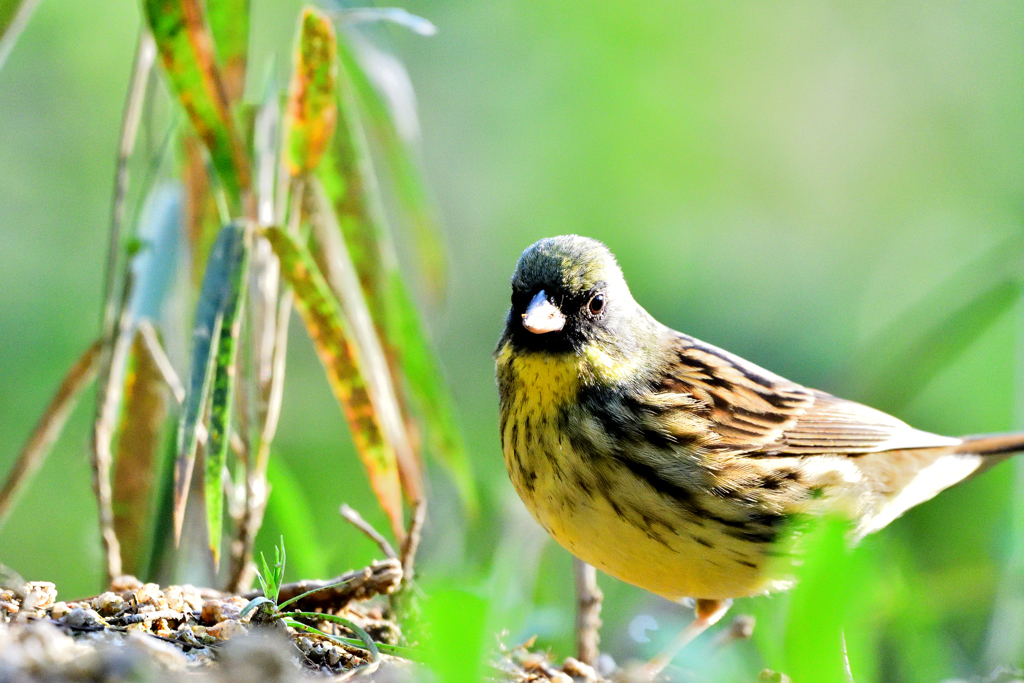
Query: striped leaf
[(347, 176), (224, 374), (186, 49), (312, 106), (337, 351), (228, 251), (403, 170), (229, 26)]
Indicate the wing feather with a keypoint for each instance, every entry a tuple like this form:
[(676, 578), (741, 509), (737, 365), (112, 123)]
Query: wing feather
[(751, 410)]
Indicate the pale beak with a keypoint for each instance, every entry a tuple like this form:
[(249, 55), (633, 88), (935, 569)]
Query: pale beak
[(542, 316)]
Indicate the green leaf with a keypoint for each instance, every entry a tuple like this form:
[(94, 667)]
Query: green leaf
[(253, 604), (186, 49), (228, 251), (337, 351), (410, 188), (347, 176), (224, 376), (229, 26), (312, 106), (814, 640)]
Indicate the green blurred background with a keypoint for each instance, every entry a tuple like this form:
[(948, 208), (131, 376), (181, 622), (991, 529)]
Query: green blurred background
[(820, 188)]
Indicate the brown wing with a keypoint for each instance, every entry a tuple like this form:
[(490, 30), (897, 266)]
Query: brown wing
[(752, 410)]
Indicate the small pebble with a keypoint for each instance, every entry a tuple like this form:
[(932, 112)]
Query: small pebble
[(108, 603), (59, 610), (82, 618), (228, 629), (216, 611), (150, 594), (175, 597), (39, 595)]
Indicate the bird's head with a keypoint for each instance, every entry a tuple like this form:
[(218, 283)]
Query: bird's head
[(568, 294)]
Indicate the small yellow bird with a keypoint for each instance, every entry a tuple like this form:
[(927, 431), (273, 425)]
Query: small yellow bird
[(674, 465)]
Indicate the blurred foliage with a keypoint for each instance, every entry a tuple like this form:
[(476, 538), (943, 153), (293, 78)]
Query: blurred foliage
[(819, 188)]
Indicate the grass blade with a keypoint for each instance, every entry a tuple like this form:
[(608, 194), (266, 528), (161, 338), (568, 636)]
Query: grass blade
[(337, 352), (138, 449), (225, 371), (227, 250), (49, 426), (229, 26), (312, 106), (347, 177), (409, 186), (186, 49)]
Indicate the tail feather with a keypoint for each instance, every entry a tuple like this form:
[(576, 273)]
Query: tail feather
[(992, 444)]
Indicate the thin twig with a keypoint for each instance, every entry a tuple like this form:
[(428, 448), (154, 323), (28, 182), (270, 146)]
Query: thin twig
[(116, 322), (588, 612), (14, 29), (49, 427), (412, 538), (111, 390), (354, 518), (145, 55), (160, 359)]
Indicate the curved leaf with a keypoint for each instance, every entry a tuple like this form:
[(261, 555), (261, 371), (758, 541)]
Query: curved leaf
[(336, 347)]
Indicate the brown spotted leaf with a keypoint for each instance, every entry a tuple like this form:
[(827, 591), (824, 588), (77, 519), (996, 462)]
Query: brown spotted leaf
[(336, 347), (347, 176), (229, 26), (138, 448), (312, 106), (186, 50)]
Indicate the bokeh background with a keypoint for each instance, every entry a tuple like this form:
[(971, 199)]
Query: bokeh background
[(832, 190)]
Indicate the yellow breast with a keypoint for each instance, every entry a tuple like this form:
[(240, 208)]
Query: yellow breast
[(601, 512)]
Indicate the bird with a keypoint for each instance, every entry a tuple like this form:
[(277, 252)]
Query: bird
[(676, 466)]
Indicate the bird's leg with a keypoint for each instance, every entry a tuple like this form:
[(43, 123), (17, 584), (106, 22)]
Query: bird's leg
[(588, 612), (707, 613)]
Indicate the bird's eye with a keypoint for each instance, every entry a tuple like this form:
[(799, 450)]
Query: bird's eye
[(596, 304)]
